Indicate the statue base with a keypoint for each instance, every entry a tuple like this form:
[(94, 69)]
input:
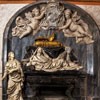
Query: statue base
[(68, 84)]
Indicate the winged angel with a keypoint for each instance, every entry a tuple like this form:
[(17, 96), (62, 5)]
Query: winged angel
[(53, 16), (30, 23), (75, 27)]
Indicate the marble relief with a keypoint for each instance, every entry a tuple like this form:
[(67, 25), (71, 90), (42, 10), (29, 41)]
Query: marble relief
[(53, 16)]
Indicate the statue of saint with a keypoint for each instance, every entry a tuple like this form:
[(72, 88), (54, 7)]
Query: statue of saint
[(15, 78)]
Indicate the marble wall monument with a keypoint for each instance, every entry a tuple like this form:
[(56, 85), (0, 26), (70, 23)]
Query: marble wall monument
[(51, 48)]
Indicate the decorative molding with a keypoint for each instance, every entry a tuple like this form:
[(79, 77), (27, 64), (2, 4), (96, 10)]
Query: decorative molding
[(79, 2)]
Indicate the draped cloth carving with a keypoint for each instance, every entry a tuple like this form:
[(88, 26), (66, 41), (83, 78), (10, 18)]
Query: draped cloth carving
[(42, 61)]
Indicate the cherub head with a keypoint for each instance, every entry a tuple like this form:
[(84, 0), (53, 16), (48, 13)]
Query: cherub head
[(67, 13), (35, 12), (11, 56)]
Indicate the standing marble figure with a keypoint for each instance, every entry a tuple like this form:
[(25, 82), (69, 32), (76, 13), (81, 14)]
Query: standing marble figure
[(15, 78)]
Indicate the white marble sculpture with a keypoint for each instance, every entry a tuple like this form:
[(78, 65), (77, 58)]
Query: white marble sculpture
[(76, 27), (41, 61), (53, 16), (15, 78)]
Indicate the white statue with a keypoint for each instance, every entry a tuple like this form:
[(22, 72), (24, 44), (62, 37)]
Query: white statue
[(29, 24), (35, 18), (73, 27), (15, 78)]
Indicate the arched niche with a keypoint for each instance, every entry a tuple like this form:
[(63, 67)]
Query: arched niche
[(88, 55)]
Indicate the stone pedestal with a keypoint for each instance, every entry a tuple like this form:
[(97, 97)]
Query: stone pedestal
[(62, 83)]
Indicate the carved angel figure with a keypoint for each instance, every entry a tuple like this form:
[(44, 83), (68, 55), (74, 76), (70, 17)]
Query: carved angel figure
[(41, 61), (35, 18), (15, 81), (75, 27), (29, 24), (22, 28)]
